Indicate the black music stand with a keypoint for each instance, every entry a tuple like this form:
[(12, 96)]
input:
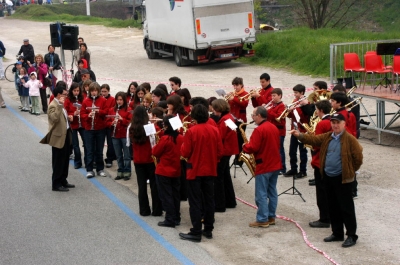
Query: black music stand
[(235, 166), (295, 191), (386, 49)]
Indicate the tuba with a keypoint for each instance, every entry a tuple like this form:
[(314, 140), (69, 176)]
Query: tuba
[(248, 159)]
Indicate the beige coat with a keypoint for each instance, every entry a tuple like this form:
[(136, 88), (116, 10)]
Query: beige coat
[(57, 126)]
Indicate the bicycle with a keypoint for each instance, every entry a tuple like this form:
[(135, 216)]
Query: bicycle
[(8, 73)]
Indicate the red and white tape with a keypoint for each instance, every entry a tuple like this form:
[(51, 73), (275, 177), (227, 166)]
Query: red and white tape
[(299, 227)]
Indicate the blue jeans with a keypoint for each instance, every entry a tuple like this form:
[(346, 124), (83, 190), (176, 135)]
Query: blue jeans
[(266, 196), (94, 141), (282, 152), (123, 154), (75, 146), (294, 145)]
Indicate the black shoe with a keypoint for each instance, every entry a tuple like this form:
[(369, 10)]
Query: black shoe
[(207, 234), (76, 167), (311, 183), (156, 214), (61, 188), (282, 172), (108, 165), (355, 195), (127, 178), (290, 173), (349, 242), (190, 237), (220, 210), (311, 180), (333, 238), (319, 224), (300, 175), (165, 224), (119, 177), (69, 185)]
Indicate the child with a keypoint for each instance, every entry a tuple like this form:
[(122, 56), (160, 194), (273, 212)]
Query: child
[(34, 86), (110, 103), (119, 126), (23, 91), (303, 109), (168, 172), (130, 94), (147, 102), (274, 109)]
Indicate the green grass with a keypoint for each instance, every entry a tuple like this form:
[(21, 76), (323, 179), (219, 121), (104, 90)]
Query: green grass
[(305, 51)]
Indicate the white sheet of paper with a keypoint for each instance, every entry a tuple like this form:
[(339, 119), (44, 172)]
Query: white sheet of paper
[(150, 129), (231, 124), (296, 114), (220, 92), (175, 122)]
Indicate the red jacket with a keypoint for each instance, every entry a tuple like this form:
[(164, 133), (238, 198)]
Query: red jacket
[(303, 118), (110, 103), (142, 152), (265, 144), (264, 98), (168, 154), (238, 108), (229, 137), (351, 126), (211, 122), (99, 120), (274, 112), (129, 98), (70, 108), (122, 125), (202, 146), (322, 127)]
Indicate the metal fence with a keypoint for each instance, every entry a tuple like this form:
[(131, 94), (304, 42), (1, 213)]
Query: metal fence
[(337, 50)]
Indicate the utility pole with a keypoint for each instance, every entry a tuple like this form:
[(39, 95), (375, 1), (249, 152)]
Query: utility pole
[(87, 8)]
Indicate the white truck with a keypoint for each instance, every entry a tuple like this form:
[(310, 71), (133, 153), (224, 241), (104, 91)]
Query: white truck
[(198, 31)]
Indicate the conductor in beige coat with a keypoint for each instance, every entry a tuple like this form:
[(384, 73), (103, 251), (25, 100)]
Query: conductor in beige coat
[(59, 137)]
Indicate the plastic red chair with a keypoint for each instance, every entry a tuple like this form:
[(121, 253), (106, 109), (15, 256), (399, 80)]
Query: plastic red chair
[(396, 71), (374, 65), (352, 64)]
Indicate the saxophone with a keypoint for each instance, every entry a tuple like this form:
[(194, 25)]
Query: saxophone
[(157, 136), (116, 121), (248, 159), (79, 115)]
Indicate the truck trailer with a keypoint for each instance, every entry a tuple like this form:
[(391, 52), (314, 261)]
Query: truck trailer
[(198, 31)]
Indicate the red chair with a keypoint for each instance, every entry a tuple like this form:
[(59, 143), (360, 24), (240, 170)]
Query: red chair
[(352, 64), (396, 71), (374, 65)]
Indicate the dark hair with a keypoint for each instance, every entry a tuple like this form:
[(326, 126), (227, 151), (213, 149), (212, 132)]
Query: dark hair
[(200, 113), (136, 131), (176, 102), (125, 101), (210, 100), (237, 81), (80, 61), (58, 90), (129, 87), (48, 47), (81, 39), (339, 88), (277, 91), (199, 100), (162, 104), (146, 86), (137, 99), (324, 106), (184, 92), (321, 85), (168, 128), (340, 97), (62, 84), (221, 105), (159, 93), (71, 94), (106, 86), (176, 80), (158, 112), (163, 87), (300, 88), (262, 111), (265, 76), (83, 44), (94, 86)]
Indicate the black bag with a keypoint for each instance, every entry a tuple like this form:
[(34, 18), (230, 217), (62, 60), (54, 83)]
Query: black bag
[(350, 82)]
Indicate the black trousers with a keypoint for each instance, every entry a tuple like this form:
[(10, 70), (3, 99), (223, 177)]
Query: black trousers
[(322, 197), (43, 98), (341, 207), (240, 143), (60, 163), (143, 173), (199, 188), (168, 190), (224, 192), (183, 188), (110, 154)]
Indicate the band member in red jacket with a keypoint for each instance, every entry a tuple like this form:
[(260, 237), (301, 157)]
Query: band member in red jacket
[(224, 192), (274, 109), (175, 83), (95, 124), (200, 100), (77, 123), (118, 126), (168, 171), (144, 165), (130, 94), (110, 103), (263, 97), (201, 172), (238, 111), (264, 144), (323, 108)]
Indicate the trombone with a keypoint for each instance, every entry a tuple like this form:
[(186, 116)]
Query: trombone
[(286, 112)]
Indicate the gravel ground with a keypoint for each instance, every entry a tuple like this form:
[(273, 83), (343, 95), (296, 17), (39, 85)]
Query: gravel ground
[(118, 58)]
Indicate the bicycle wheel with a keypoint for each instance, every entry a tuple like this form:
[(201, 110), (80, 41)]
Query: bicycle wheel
[(10, 76)]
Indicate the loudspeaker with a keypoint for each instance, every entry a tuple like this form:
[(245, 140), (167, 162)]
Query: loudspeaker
[(55, 40), (69, 37)]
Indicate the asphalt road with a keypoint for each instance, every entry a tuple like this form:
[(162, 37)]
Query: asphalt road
[(95, 223)]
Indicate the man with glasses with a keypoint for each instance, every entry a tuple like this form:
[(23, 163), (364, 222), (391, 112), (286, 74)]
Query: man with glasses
[(175, 83), (60, 139)]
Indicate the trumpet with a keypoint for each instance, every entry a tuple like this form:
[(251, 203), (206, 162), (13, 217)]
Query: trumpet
[(286, 112), (228, 96), (268, 104), (250, 94)]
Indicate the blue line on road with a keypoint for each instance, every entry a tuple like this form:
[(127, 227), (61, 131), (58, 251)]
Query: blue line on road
[(161, 240)]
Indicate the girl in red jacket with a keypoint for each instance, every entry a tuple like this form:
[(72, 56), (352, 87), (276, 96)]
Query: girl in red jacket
[(130, 94), (168, 172), (144, 165), (118, 126)]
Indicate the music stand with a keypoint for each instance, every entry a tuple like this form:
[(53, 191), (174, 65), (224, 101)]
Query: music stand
[(234, 165), (386, 49), (295, 191)]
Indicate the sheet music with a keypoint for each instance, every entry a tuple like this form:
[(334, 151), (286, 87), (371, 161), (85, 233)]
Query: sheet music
[(150, 129), (231, 124), (175, 122), (296, 114), (220, 92)]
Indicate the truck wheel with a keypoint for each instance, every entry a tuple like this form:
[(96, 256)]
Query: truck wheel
[(178, 57), (149, 51)]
